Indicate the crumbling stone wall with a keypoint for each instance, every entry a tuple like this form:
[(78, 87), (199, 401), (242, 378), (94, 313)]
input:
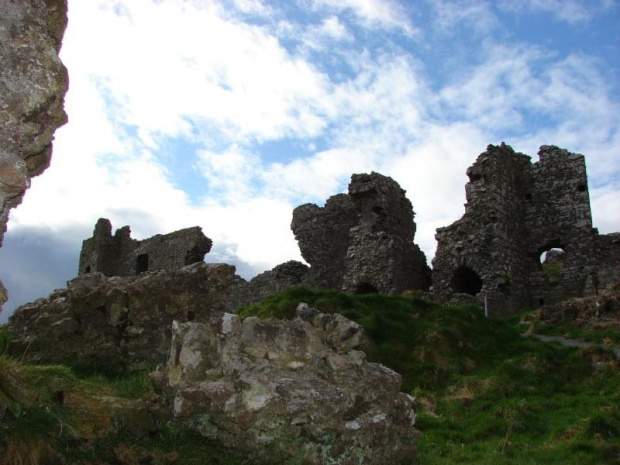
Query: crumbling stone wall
[(281, 277), (607, 260), (33, 82), (515, 212), (120, 255), (363, 241), (323, 238)]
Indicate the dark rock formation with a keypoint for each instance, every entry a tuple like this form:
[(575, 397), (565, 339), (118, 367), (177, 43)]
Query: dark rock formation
[(289, 391), (281, 277), (515, 212), (120, 255), (121, 324), (33, 82), (363, 241)]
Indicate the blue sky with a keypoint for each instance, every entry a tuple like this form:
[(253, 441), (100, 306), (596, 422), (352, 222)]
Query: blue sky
[(228, 114)]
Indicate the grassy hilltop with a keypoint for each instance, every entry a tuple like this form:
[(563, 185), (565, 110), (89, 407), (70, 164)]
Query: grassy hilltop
[(485, 393)]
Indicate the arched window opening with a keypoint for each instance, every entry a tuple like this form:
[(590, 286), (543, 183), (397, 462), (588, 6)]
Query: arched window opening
[(365, 288), (142, 263), (552, 262), (87, 270), (466, 281)]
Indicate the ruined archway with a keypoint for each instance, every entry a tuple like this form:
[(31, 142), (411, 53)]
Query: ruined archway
[(466, 281), (365, 287)]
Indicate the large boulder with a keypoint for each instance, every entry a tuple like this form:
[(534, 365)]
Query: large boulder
[(295, 391)]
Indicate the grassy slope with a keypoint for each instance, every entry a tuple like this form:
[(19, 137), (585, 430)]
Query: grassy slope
[(50, 414), (485, 394)]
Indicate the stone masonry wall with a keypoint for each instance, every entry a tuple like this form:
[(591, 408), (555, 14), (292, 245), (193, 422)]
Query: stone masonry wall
[(120, 255), (281, 277), (607, 260), (33, 82), (515, 212), (323, 238), (363, 241)]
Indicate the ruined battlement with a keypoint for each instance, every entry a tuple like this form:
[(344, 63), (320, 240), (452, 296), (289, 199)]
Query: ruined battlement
[(517, 211), (362, 241), (120, 255)]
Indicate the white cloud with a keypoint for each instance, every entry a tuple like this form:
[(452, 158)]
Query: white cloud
[(373, 13), (476, 15), (570, 11), (605, 202), (166, 64)]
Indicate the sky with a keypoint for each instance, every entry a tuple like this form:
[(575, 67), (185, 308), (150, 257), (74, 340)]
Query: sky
[(228, 114)]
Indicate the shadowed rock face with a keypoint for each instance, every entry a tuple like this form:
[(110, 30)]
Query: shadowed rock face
[(120, 324), (363, 241), (289, 391), (33, 82)]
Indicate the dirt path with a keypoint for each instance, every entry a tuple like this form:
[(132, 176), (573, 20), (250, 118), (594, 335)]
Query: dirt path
[(574, 342)]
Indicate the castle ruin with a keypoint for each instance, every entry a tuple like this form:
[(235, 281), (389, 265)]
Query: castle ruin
[(362, 242), (120, 255), (516, 212)]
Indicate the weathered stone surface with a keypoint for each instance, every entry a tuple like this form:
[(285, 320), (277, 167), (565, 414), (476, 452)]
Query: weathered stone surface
[(119, 323), (607, 259), (120, 255), (323, 238), (515, 212), (281, 277), (33, 82), (363, 241), (295, 391)]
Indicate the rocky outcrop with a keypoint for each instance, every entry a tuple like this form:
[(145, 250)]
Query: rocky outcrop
[(33, 83), (120, 255), (515, 212), (119, 324), (295, 391), (363, 241)]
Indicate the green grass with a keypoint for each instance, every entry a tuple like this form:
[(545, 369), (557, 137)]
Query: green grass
[(485, 394), (570, 330)]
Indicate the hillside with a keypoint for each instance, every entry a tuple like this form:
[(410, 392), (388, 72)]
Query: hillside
[(484, 393)]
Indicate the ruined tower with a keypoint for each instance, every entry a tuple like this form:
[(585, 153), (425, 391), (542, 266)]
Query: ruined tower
[(363, 241), (120, 255), (517, 211)]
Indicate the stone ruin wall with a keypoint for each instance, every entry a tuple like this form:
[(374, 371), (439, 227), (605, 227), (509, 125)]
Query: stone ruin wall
[(358, 242), (557, 215), (515, 212), (120, 255), (33, 83), (607, 259), (323, 238), (363, 241)]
